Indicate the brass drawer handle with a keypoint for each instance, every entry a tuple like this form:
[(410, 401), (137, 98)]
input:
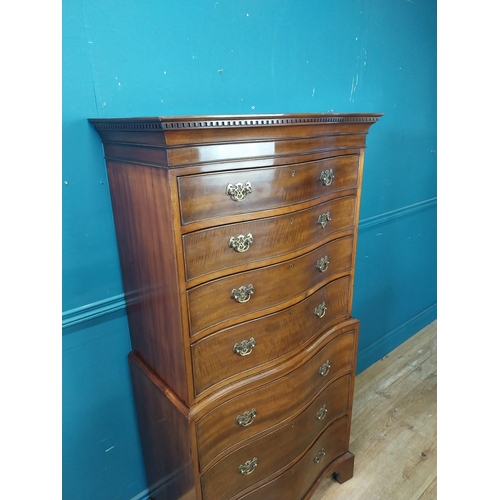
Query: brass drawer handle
[(324, 368), (242, 294), (248, 467), (245, 347), (322, 264), (246, 418), (323, 219), (238, 191), (320, 311), (319, 457), (241, 243), (320, 415), (326, 177)]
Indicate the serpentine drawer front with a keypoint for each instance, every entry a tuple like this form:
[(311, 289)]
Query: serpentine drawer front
[(252, 344), (300, 477), (229, 193), (230, 299), (223, 248), (217, 431), (237, 241), (279, 447)]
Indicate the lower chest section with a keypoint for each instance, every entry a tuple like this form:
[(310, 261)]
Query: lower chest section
[(276, 430)]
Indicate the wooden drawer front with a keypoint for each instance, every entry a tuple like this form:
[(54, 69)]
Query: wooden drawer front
[(274, 402), (210, 250), (211, 304), (214, 357), (299, 479), (277, 449), (204, 196)]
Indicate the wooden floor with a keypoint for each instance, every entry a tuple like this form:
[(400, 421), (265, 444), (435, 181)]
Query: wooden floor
[(393, 435)]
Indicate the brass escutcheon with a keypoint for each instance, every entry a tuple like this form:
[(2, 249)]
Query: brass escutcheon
[(320, 415), (324, 368), (245, 347), (326, 177), (248, 467), (238, 191), (242, 294), (319, 457), (241, 243), (323, 219), (322, 264), (247, 417), (320, 311)]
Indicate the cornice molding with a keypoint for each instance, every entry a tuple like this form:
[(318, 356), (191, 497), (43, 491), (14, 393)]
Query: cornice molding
[(165, 123)]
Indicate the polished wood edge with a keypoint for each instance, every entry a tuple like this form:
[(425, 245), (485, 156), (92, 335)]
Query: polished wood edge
[(270, 138), (361, 163), (197, 144), (281, 369), (196, 458), (343, 149), (151, 374), (285, 160), (149, 124), (341, 469), (182, 145), (178, 255), (245, 163), (353, 382)]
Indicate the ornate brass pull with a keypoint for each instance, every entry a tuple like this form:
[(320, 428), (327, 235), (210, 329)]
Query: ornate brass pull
[(241, 243), (322, 264), (246, 418), (248, 467), (242, 294), (245, 347), (319, 457), (320, 311), (324, 368), (321, 413), (324, 218), (326, 177), (238, 191)]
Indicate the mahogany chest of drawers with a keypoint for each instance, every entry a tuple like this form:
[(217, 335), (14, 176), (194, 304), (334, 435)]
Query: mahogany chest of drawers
[(237, 242)]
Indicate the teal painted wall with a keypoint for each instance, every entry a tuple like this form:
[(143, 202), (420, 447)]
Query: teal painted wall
[(166, 57)]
